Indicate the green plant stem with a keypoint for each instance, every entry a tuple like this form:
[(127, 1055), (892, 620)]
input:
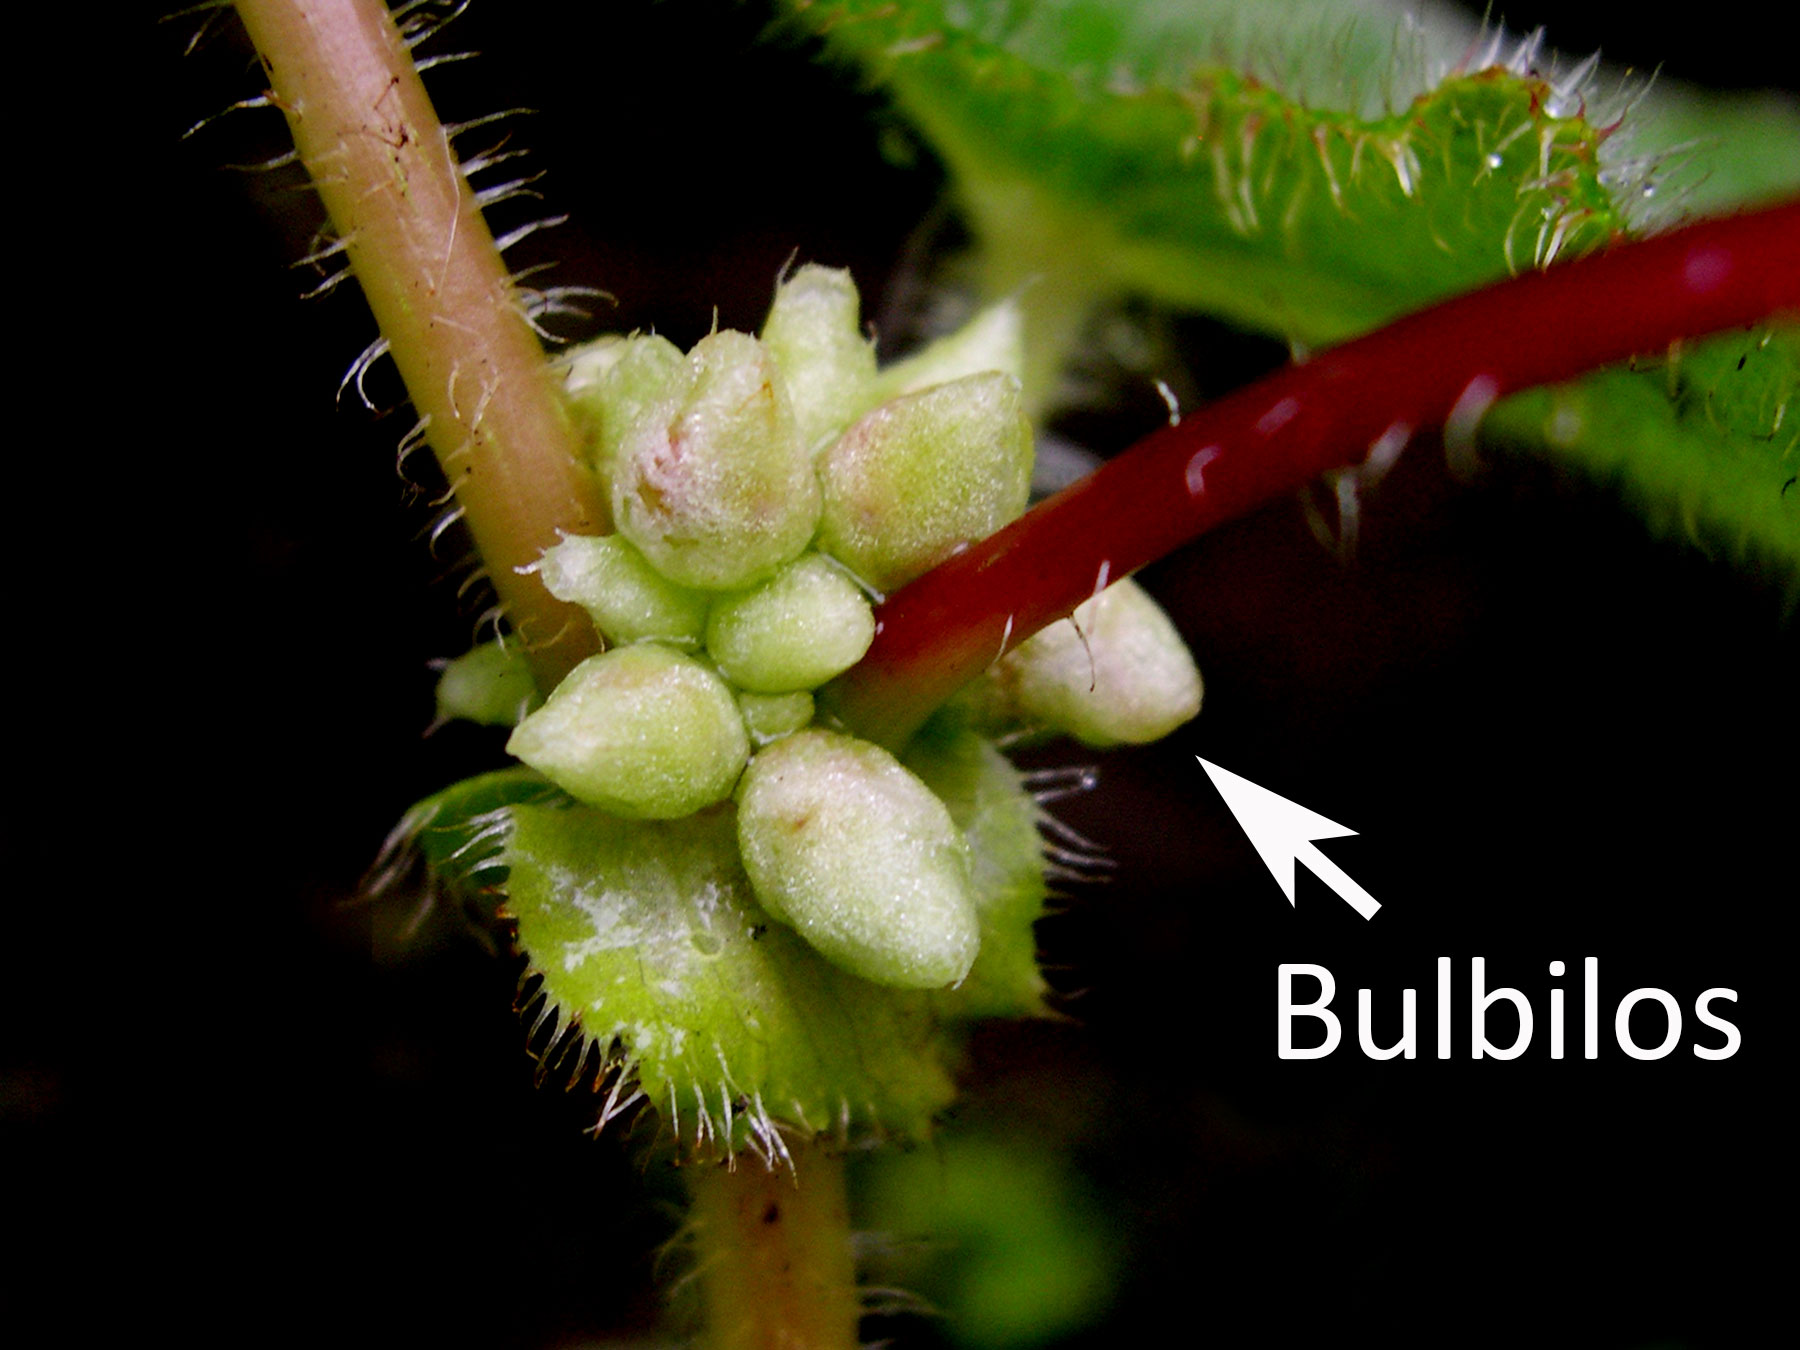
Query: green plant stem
[(778, 1270), (441, 295), (774, 1255)]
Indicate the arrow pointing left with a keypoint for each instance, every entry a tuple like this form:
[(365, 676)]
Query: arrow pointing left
[(1283, 831)]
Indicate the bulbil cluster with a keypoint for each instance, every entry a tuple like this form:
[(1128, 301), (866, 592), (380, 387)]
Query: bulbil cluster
[(763, 490)]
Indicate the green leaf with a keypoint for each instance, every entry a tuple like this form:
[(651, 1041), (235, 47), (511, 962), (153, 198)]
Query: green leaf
[(1718, 150), (1020, 1254), (1105, 147), (1290, 167), (460, 831), (1706, 444), (647, 934)]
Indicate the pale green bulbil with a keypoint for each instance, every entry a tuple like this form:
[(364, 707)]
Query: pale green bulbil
[(491, 684), (769, 717), (804, 625), (1119, 674), (924, 475), (640, 731), (860, 858), (584, 368), (717, 491), (993, 340), (622, 384), (814, 334), (629, 600)]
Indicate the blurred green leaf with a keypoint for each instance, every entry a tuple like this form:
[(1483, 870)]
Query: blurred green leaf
[(1019, 1253), (1705, 443), (1314, 169)]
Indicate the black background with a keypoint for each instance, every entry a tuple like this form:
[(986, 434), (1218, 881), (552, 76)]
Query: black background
[(1556, 738)]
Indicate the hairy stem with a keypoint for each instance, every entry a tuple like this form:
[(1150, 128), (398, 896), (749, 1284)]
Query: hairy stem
[(774, 1254), (1441, 365), (389, 177)]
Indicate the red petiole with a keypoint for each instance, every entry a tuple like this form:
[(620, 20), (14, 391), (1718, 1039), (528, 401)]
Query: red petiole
[(1445, 364)]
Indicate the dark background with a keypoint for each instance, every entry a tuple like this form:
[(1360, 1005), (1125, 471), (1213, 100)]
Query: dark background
[(1556, 737)]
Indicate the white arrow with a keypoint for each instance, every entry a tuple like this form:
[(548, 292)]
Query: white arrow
[(1283, 831)]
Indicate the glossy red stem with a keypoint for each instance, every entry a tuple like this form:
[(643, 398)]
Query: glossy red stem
[(1441, 365)]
